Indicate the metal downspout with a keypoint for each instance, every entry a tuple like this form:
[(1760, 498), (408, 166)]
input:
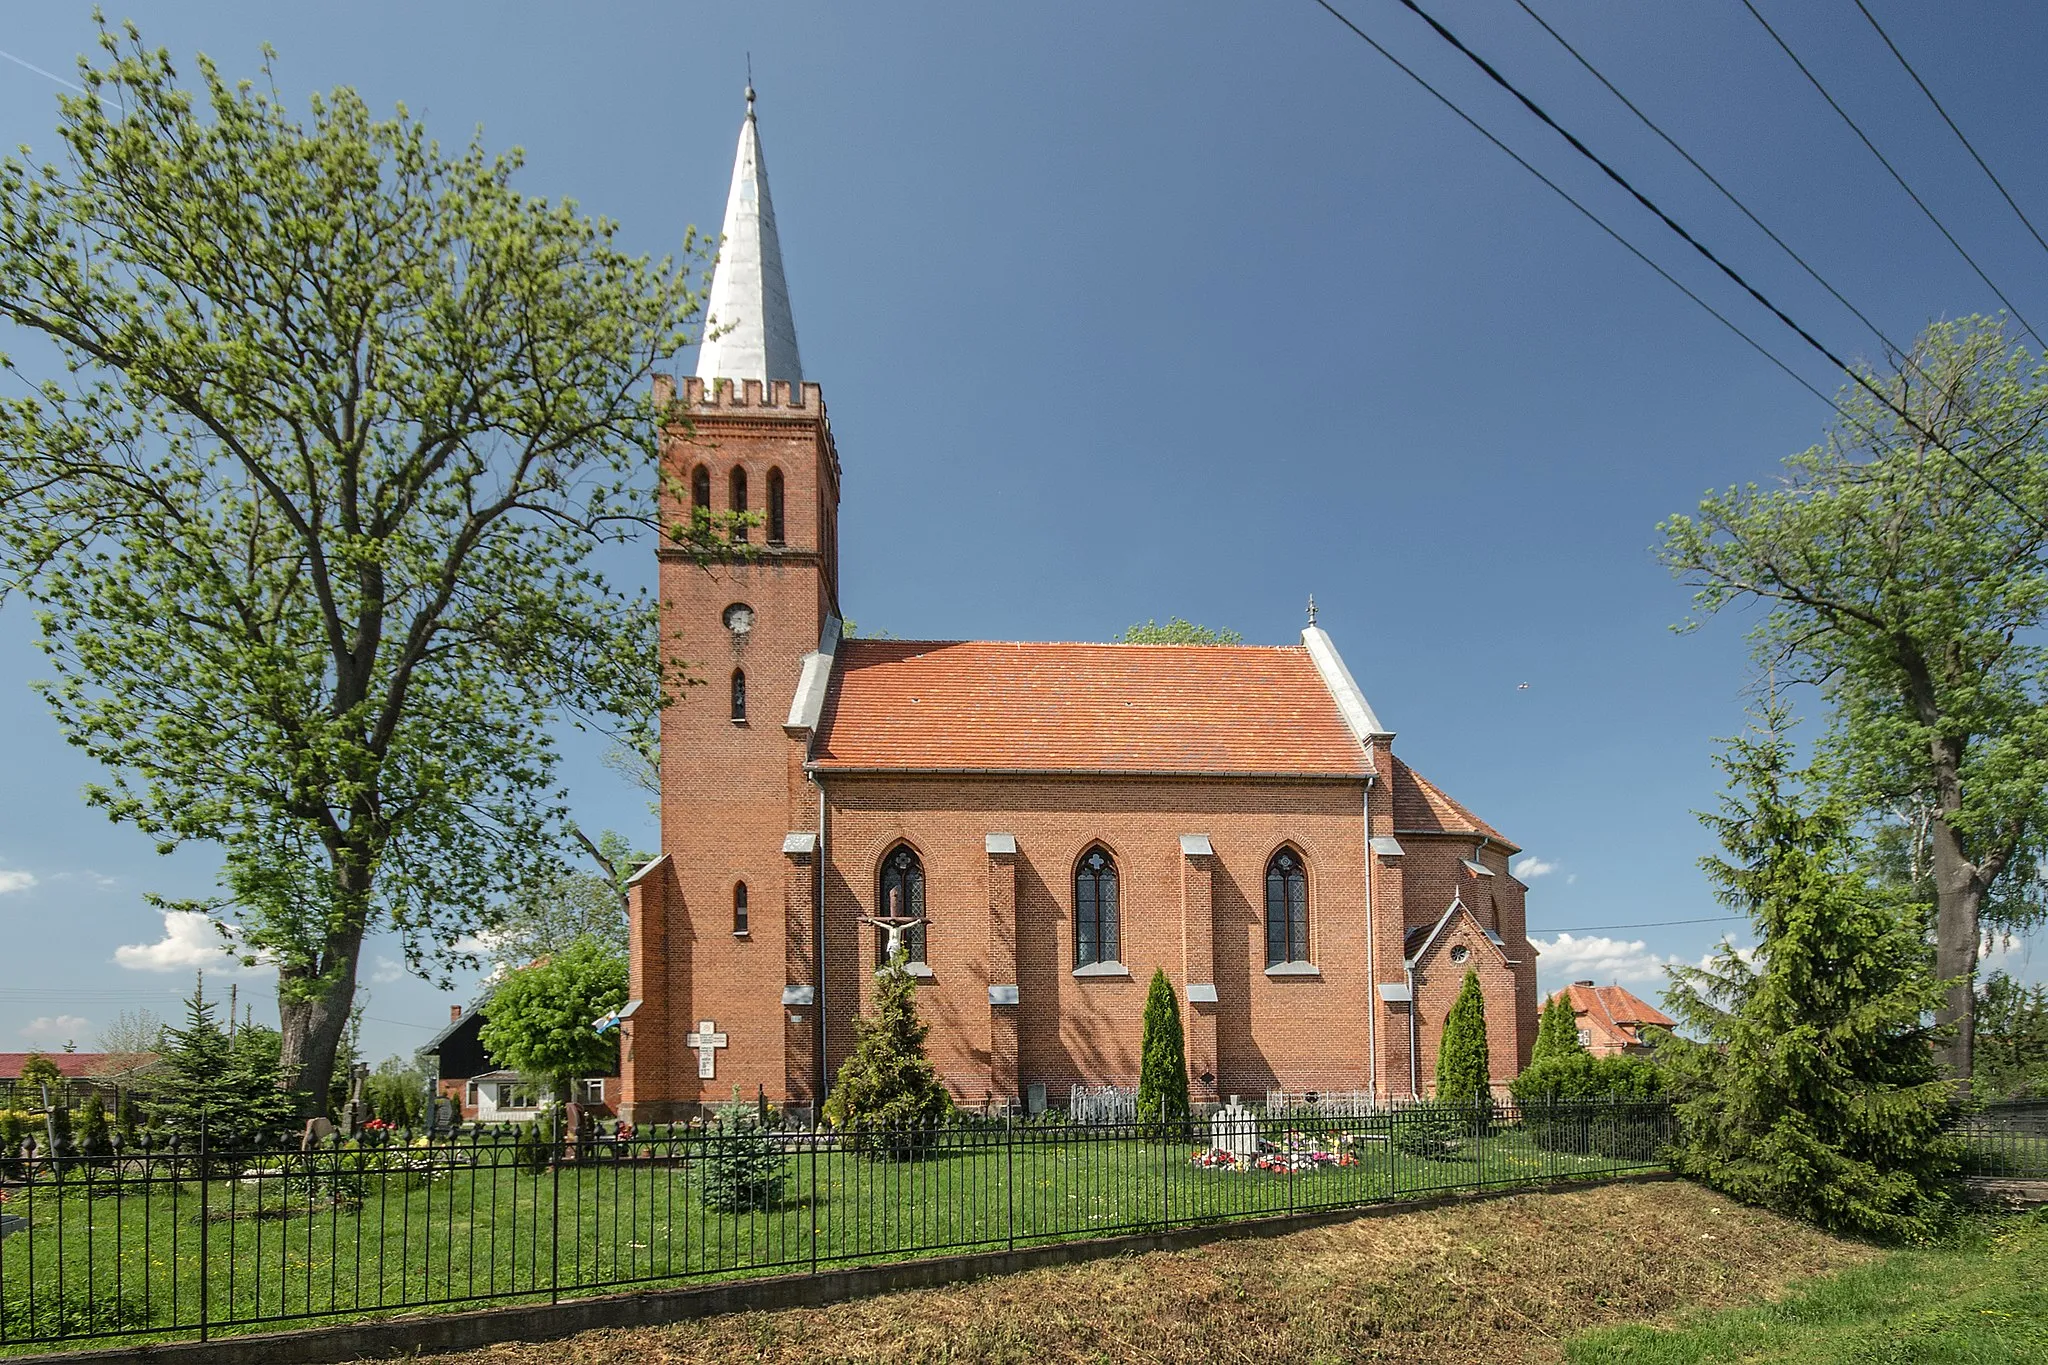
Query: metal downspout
[(1372, 976), (818, 953)]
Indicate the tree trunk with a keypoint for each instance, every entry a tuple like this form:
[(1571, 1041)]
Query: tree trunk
[(1959, 888), (314, 999)]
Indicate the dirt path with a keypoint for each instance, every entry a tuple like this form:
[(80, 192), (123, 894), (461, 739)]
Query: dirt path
[(1506, 1280)]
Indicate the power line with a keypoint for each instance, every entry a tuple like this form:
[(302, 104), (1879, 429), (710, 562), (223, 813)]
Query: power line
[(1967, 145), (1855, 128), (1710, 177), (1643, 924), (1566, 195), (1616, 176)]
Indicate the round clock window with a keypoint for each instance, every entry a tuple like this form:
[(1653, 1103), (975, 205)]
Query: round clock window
[(739, 618)]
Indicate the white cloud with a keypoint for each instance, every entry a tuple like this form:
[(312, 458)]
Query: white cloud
[(1570, 957), (190, 942), (58, 1029), (1529, 869), (14, 879), (388, 971)]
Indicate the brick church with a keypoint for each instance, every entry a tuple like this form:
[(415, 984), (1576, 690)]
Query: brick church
[(1062, 818)]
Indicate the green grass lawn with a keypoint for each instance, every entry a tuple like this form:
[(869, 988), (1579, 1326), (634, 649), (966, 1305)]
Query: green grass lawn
[(1981, 1302), (489, 1232)]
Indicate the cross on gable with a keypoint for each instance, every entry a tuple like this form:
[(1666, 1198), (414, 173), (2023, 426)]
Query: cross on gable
[(707, 1040)]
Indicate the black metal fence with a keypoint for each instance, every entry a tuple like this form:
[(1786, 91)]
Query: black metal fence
[(2007, 1140), (178, 1242)]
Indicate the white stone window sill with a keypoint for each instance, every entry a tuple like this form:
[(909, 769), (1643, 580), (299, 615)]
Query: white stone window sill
[(1103, 969), (1294, 969), (741, 933), (917, 969)]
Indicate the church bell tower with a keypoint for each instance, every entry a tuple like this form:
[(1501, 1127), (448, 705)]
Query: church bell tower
[(722, 924)]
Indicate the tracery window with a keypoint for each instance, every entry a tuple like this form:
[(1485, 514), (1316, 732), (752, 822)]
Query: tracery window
[(775, 526), (739, 694), (1286, 909), (1095, 909), (739, 500), (903, 897)]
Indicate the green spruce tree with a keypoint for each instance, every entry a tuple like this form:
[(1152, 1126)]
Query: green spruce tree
[(1163, 1064), (887, 1098), (1557, 1031), (229, 1083), (1464, 1071), (1816, 1094)]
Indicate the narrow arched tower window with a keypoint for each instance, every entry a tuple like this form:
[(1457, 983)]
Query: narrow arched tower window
[(775, 527), (902, 896), (739, 909), (700, 490), (1286, 909), (739, 500), (1095, 909), (739, 694)]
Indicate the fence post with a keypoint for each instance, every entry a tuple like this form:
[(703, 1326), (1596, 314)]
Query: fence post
[(205, 1220), (555, 1213), (1010, 1178)]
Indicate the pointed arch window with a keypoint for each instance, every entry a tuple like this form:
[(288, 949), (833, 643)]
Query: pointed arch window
[(739, 910), (739, 500), (902, 896), (1286, 909), (775, 520), (739, 696), (700, 489), (1096, 937)]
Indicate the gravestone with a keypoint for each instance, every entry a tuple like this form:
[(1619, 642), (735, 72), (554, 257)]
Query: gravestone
[(318, 1130), (1235, 1129), (11, 1223)]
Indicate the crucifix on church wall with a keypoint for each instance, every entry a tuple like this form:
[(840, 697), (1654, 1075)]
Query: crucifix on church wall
[(707, 1040)]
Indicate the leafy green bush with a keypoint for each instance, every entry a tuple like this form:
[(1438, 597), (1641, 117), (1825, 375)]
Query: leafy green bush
[(1576, 1102), (533, 1145), (1433, 1129)]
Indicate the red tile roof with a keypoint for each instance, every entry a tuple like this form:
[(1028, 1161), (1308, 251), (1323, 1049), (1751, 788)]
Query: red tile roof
[(75, 1065), (993, 705), (1614, 1013), (1420, 807)]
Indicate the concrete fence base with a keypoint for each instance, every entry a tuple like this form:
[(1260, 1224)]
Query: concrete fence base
[(430, 1333)]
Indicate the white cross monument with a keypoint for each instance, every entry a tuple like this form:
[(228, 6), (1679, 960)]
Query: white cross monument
[(707, 1040)]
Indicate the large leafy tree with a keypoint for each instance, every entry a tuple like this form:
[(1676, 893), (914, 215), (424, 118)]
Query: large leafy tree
[(1814, 1092), (540, 1020), (309, 521), (1178, 632), (578, 903), (1903, 568)]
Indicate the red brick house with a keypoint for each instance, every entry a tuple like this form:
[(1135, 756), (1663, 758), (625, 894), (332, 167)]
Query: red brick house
[(1612, 1019), (1065, 817)]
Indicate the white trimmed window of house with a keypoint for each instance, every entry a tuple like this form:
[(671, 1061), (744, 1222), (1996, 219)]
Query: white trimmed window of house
[(1585, 1037), (519, 1095), (590, 1090), (469, 1094)]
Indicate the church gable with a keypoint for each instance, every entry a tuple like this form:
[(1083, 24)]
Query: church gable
[(1427, 940), (995, 706)]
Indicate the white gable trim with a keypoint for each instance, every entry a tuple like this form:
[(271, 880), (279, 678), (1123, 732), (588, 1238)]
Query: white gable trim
[(1457, 904), (808, 705), (1358, 715)]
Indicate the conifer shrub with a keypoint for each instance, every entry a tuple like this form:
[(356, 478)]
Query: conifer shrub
[(1816, 1093), (94, 1132), (1464, 1067), (1432, 1129), (533, 1146), (14, 1128), (1163, 1065), (744, 1168), (1557, 1031), (887, 1100)]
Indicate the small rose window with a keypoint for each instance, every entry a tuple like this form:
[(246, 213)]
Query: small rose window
[(1459, 952)]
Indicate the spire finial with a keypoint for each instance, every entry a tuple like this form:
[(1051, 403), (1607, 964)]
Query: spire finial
[(1311, 608), (750, 85)]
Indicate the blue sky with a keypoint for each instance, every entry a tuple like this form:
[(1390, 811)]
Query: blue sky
[(1194, 309)]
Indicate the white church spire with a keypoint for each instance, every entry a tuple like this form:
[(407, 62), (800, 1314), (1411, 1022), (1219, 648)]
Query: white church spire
[(748, 328)]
